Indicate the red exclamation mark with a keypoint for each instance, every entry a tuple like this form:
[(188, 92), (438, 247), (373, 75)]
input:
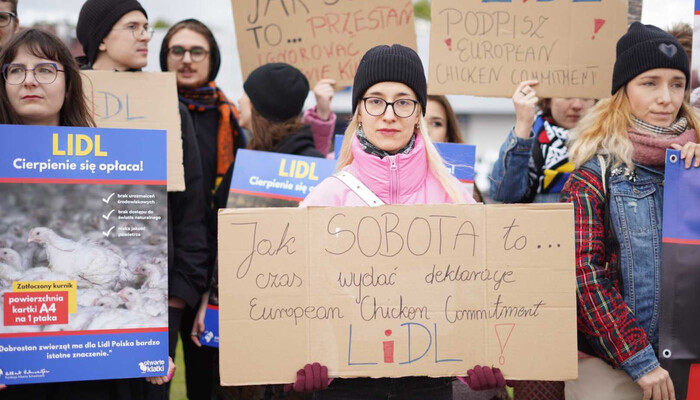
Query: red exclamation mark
[(503, 331), (597, 24), (388, 348), (448, 42)]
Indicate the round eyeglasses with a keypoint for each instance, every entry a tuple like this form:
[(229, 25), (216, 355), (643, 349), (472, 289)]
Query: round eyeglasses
[(6, 18), (403, 108), (137, 31), (16, 74), (197, 53)]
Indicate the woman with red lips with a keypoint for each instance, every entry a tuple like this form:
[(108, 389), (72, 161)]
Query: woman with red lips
[(388, 158), (533, 163), (617, 190)]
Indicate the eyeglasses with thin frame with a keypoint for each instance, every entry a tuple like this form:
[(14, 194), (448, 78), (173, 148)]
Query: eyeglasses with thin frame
[(137, 31), (376, 106), (197, 53), (16, 74), (6, 18)]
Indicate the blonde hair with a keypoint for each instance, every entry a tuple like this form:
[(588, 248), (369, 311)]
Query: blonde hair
[(603, 130), (435, 163)]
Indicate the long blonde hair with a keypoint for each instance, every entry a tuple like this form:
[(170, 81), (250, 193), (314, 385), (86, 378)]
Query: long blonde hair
[(435, 163), (603, 130)]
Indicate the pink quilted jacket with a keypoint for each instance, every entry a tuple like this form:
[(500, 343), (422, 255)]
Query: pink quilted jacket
[(398, 179)]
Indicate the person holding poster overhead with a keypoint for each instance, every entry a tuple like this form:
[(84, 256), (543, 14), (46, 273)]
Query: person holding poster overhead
[(389, 159), (114, 35), (533, 163), (617, 191)]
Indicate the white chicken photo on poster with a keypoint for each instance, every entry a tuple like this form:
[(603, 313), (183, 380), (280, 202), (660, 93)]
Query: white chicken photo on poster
[(60, 233)]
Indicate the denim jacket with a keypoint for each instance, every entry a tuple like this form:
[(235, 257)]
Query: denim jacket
[(635, 209)]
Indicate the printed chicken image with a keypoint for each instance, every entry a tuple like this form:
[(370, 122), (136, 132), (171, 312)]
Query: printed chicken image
[(63, 233)]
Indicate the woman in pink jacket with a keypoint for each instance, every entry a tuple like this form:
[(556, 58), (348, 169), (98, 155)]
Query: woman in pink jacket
[(389, 158)]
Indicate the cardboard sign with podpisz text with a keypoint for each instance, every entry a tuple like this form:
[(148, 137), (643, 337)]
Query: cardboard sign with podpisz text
[(322, 38), (139, 100), (487, 47), (396, 291)]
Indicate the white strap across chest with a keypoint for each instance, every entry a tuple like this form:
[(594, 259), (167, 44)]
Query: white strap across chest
[(359, 188)]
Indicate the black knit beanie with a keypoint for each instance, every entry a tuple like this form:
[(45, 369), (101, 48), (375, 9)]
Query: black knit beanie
[(214, 53), (646, 47), (277, 91), (97, 18), (390, 64)]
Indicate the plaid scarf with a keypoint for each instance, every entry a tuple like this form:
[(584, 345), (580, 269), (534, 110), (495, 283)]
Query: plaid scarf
[(368, 147), (210, 97), (677, 128)]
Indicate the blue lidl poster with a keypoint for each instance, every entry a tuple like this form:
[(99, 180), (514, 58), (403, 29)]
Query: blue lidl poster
[(679, 329), (284, 177), (210, 336), (83, 254)]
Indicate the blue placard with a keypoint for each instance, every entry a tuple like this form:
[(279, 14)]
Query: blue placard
[(82, 228), (279, 176), (93, 155), (210, 336), (459, 158), (681, 188)]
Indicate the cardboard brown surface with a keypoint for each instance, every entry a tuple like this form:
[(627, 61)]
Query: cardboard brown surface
[(139, 100), (282, 303), (485, 48), (323, 38)]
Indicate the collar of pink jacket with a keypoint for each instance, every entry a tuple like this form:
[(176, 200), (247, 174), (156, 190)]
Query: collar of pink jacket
[(392, 178)]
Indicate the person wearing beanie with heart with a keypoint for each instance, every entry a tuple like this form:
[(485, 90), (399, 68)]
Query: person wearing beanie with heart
[(388, 158), (115, 35), (619, 150)]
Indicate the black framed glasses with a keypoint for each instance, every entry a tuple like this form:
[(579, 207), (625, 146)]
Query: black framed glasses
[(16, 74), (376, 106), (138, 31), (197, 53), (6, 18)]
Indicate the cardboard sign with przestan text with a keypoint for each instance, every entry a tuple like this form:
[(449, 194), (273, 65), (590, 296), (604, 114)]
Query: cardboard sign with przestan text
[(487, 47), (139, 100), (323, 38), (396, 291)]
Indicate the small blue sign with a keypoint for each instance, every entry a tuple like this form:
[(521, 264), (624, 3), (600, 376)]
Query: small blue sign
[(279, 176), (210, 336)]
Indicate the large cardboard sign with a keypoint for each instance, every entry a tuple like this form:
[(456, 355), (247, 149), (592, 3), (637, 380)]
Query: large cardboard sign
[(323, 38), (679, 328), (397, 291), (83, 254), (139, 100), (487, 47)]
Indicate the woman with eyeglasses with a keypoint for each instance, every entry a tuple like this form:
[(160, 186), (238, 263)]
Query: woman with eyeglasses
[(9, 23), (390, 156), (41, 85)]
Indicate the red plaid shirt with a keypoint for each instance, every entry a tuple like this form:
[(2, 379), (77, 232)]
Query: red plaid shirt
[(603, 317)]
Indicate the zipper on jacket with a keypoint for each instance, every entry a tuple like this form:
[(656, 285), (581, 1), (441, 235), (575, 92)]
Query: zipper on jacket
[(394, 177)]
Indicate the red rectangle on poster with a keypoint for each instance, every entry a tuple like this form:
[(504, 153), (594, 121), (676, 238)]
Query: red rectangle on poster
[(36, 308)]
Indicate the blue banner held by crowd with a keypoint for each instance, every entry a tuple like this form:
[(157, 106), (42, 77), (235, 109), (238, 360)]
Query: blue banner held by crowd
[(279, 176), (93, 203)]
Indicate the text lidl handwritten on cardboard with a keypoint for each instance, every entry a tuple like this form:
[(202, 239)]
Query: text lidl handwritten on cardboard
[(139, 100), (397, 291), (323, 38), (486, 47)]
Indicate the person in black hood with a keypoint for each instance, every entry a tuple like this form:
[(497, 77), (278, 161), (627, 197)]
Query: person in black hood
[(190, 50), (114, 35), (271, 108)]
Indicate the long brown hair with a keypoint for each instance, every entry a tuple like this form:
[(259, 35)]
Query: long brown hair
[(267, 134), (454, 134), (43, 44)]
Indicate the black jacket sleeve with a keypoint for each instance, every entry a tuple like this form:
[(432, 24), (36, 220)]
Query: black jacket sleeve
[(187, 250)]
